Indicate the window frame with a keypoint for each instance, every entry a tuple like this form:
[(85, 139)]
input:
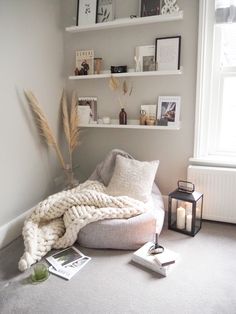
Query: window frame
[(204, 152)]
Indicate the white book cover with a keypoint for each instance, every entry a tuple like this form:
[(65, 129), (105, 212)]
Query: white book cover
[(142, 257), (166, 258), (69, 270), (84, 61)]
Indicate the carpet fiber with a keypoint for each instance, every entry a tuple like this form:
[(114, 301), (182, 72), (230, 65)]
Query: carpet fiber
[(204, 281)]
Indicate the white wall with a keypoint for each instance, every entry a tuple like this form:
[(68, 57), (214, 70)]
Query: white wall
[(172, 148), (31, 57)]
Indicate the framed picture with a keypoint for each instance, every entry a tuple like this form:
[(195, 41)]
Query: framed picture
[(150, 7), (86, 12), (105, 11), (145, 58), (169, 109), (84, 61), (92, 103), (167, 53)]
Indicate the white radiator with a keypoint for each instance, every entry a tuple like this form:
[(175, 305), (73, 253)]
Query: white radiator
[(219, 188)]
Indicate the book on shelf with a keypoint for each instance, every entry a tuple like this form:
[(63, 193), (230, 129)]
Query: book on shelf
[(84, 62), (67, 263), (142, 257)]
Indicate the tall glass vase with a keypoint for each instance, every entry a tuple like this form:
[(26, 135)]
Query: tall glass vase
[(70, 180)]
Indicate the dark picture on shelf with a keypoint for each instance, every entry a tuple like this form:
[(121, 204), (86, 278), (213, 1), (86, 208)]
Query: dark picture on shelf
[(150, 7), (105, 11), (169, 109)]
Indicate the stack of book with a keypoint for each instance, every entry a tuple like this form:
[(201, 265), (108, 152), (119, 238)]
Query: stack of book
[(161, 263), (67, 263)]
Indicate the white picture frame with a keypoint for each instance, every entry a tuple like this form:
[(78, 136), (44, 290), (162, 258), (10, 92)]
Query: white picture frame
[(86, 12), (167, 53), (145, 58), (92, 103), (105, 11), (169, 109)]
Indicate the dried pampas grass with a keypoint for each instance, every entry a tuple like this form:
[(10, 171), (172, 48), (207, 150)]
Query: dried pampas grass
[(69, 122), (44, 128), (116, 85)]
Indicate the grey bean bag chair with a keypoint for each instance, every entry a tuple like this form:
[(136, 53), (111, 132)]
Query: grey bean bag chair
[(126, 234)]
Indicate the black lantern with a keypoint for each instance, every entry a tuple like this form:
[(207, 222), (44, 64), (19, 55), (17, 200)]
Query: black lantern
[(185, 209)]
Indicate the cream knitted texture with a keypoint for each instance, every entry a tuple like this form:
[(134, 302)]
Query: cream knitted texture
[(56, 221)]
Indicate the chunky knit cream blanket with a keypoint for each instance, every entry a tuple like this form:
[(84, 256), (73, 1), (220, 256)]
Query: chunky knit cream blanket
[(56, 221)]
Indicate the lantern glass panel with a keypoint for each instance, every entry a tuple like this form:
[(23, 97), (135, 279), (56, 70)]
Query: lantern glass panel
[(198, 214)]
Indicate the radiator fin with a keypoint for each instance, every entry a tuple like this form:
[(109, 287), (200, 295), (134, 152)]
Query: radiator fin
[(219, 188)]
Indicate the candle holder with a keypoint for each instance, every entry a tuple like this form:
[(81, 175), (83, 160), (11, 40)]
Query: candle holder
[(185, 209)]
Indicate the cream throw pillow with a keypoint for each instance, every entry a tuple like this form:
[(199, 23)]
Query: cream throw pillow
[(133, 178)]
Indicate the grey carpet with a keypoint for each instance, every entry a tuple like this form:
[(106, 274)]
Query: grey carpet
[(204, 281)]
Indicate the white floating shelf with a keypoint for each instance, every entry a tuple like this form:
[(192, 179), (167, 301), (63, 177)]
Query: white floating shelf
[(132, 124), (127, 22), (127, 74)]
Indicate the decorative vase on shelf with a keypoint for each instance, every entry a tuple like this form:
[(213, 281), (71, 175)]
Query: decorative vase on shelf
[(123, 117)]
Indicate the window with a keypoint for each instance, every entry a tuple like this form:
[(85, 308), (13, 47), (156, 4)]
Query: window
[(215, 136)]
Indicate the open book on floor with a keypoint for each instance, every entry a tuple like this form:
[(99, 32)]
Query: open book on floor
[(161, 263), (67, 263)]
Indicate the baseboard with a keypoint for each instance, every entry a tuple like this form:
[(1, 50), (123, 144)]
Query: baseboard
[(11, 230)]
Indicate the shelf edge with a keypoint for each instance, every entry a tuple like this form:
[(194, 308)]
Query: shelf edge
[(126, 22), (127, 74)]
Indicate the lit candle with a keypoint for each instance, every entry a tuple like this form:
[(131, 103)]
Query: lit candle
[(180, 218), (189, 223)]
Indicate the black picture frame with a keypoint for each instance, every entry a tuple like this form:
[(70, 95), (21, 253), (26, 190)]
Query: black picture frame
[(77, 13), (78, 9), (167, 53), (150, 7)]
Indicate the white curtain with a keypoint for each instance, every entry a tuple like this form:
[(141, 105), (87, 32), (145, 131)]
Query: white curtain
[(225, 11)]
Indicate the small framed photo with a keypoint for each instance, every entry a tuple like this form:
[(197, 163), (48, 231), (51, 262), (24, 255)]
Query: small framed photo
[(145, 58), (150, 7), (105, 11), (92, 103), (84, 62), (169, 109), (86, 12), (167, 53)]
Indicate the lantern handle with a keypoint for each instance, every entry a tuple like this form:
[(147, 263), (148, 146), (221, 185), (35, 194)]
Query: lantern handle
[(186, 186)]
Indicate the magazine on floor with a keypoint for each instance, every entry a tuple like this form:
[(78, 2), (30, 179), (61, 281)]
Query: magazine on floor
[(67, 263)]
